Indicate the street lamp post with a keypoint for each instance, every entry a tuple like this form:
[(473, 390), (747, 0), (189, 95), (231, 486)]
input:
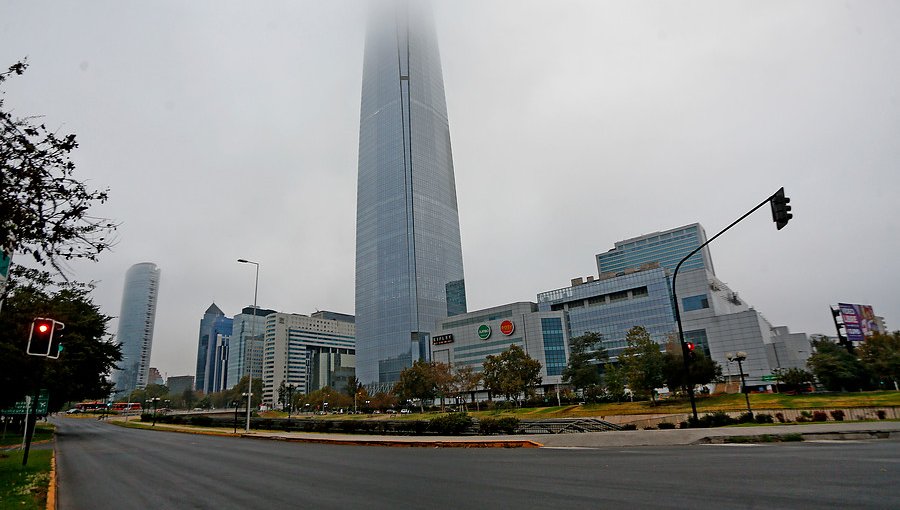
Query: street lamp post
[(248, 358), (740, 356)]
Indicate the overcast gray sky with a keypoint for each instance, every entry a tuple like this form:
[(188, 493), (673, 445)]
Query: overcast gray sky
[(229, 130)]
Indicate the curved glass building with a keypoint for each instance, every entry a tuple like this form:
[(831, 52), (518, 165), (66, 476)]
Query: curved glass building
[(409, 270), (135, 333)]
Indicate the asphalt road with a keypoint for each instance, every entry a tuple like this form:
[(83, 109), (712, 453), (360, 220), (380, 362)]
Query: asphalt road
[(104, 466)]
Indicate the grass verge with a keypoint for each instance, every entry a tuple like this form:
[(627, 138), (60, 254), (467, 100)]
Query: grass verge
[(42, 432), (26, 487)]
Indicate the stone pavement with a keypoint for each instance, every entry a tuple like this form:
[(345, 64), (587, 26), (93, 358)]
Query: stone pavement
[(615, 439)]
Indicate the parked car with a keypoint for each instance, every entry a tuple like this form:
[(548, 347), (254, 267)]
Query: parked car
[(73, 411), (405, 411)]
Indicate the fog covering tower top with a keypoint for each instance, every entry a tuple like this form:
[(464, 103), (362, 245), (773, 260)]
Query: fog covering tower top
[(409, 270)]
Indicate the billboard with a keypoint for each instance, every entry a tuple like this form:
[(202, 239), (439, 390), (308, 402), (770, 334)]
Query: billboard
[(859, 321)]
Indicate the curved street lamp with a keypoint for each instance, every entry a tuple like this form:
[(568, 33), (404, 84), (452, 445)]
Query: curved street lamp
[(740, 356)]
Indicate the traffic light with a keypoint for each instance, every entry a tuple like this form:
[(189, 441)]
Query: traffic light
[(691, 356), (43, 340), (781, 211)]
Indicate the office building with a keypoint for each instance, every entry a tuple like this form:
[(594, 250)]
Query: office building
[(135, 330), (309, 352), (611, 305), (468, 339), (177, 384), (664, 248), (212, 350), (409, 269), (248, 330), (155, 377)]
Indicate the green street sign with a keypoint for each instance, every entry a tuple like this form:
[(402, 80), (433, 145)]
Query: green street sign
[(768, 378), (22, 408), (484, 332)]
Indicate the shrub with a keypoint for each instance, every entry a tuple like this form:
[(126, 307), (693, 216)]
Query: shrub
[(629, 426), (780, 417), (882, 414), (716, 419), (508, 424), (649, 427), (452, 424), (684, 425), (837, 415), (763, 418), (665, 425), (805, 416), (820, 416), (488, 426), (745, 417), (200, 421)]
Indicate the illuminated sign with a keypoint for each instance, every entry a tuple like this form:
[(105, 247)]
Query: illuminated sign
[(507, 327), (442, 339), (484, 332)]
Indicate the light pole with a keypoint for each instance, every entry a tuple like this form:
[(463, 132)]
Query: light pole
[(739, 357), (249, 357)]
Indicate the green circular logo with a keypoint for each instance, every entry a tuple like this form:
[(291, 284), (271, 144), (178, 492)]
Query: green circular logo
[(484, 332)]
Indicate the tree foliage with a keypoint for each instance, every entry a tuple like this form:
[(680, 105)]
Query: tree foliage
[(837, 369), (44, 209), (465, 381), (795, 379), (82, 370), (703, 370), (642, 362), (512, 373), (587, 358), (417, 382), (880, 354)]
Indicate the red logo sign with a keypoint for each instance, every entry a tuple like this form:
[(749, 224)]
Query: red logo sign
[(507, 327)]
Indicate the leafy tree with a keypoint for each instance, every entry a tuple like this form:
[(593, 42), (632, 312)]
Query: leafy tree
[(317, 399), (586, 360), (642, 362), (82, 370), (614, 382), (703, 370), (795, 379), (837, 369), (353, 386), (188, 397), (465, 381), (511, 373), (443, 380), (43, 207), (383, 401), (880, 354), (417, 382)]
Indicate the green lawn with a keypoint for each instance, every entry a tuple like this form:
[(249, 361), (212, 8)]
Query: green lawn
[(42, 432), (24, 487)]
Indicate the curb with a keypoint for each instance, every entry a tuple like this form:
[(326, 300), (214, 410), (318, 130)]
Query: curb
[(363, 442), (51, 487), (862, 435), (404, 444)]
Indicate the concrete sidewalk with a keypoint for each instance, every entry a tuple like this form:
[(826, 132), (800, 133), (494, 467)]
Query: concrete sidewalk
[(627, 438)]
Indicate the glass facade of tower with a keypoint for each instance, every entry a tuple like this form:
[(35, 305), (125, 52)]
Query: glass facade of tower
[(667, 248), (135, 331), (409, 270)]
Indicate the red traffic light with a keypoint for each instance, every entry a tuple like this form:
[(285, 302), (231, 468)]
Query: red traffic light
[(41, 338), (690, 346)]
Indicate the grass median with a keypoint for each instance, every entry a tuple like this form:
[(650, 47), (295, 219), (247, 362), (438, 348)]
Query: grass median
[(24, 487)]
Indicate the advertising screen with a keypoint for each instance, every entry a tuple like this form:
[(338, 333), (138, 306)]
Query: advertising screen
[(859, 321)]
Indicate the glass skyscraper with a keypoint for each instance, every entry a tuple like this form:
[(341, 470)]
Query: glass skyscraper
[(409, 270), (135, 332), (667, 248)]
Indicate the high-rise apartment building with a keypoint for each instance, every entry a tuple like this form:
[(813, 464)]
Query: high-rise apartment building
[(135, 331), (245, 349), (409, 269), (212, 350), (309, 352), (665, 248)]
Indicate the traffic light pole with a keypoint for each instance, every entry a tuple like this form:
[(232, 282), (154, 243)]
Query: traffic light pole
[(684, 348)]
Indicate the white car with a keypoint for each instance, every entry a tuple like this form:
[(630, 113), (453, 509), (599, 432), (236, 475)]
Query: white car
[(405, 411)]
